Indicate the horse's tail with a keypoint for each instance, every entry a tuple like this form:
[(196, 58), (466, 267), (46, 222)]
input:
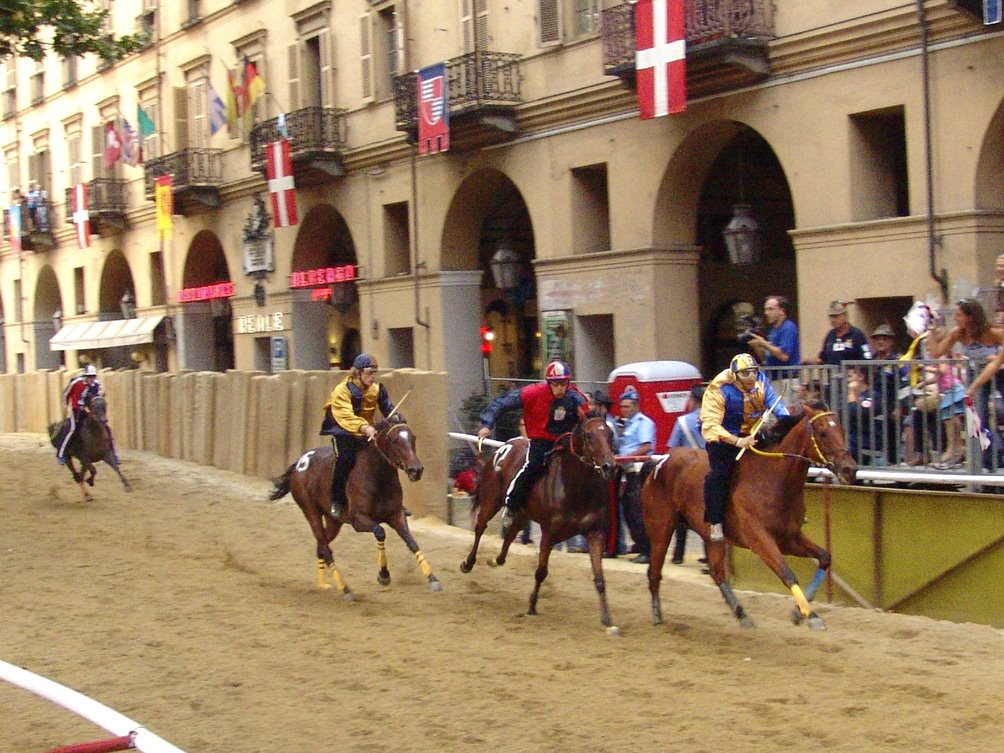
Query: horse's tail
[(280, 484)]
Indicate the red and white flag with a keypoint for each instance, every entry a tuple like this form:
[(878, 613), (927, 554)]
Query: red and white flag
[(279, 171), (660, 57), (113, 145), (81, 215)]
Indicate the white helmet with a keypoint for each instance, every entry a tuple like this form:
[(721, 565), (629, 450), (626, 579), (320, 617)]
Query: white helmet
[(89, 370)]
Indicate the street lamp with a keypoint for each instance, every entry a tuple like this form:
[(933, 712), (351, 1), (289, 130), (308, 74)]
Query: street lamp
[(742, 236), (505, 265), (128, 305)]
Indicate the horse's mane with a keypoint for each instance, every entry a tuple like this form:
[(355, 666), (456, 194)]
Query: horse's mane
[(785, 424), (394, 420)]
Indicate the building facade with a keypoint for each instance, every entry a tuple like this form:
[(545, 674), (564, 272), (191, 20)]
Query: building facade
[(865, 140)]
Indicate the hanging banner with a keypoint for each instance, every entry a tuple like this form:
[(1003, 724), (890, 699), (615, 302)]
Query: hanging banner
[(433, 110), (81, 215), (279, 171), (165, 205)]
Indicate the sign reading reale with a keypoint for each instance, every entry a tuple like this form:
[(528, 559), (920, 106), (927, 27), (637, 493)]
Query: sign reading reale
[(256, 323)]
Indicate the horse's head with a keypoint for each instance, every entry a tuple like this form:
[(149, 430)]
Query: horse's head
[(593, 442), (828, 446), (396, 441), (97, 407)]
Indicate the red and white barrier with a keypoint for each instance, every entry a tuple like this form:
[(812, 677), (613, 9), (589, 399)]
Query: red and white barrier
[(108, 719)]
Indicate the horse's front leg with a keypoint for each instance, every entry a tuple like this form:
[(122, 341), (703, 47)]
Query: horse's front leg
[(766, 548), (596, 540), (78, 476), (801, 545), (400, 524), (115, 467), (383, 574)]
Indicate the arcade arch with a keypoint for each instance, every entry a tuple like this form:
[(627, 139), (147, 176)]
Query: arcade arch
[(326, 316), (718, 166), (206, 331), (489, 216)]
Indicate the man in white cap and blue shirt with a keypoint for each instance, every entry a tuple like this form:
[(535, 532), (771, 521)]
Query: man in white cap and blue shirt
[(636, 437)]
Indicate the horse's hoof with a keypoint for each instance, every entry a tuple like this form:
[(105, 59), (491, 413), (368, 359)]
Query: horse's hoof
[(324, 586), (746, 622), (466, 568), (796, 616), (614, 631), (434, 585), (657, 619), (383, 579), (347, 595), (816, 622)]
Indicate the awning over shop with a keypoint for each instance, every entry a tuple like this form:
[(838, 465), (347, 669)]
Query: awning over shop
[(114, 333)]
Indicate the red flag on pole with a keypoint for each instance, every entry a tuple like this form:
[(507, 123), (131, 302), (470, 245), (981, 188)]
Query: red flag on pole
[(279, 171), (81, 215), (113, 145), (660, 57)]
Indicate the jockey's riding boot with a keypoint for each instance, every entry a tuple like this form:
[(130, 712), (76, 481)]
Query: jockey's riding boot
[(717, 534), (338, 507)]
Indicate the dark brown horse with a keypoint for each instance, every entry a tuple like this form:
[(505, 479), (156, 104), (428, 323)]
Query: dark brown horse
[(91, 443), (766, 507), (571, 498), (374, 495)]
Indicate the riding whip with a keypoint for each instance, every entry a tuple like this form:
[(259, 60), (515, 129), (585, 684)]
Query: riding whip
[(387, 417), (759, 423)]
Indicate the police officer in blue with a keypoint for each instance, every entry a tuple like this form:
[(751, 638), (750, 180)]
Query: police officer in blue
[(733, 402)]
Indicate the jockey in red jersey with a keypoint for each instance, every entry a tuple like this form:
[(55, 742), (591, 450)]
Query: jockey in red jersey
[(550, 408), (80, 389)]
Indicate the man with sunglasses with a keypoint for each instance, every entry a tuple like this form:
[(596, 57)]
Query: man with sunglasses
[(550, 409), (348, 419), (733, 402)]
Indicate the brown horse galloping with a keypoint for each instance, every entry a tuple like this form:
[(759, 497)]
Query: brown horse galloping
[(766, 506), (374, 495), (91, 444), (570, 498)]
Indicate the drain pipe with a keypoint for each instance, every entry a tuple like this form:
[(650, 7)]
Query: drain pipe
[(419, 265), (941, 277)]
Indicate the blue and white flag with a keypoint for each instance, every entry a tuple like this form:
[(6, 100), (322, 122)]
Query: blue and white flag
[(217, 112)]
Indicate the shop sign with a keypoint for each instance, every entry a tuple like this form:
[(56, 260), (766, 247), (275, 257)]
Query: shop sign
[(206, 292), (312, 278), (258, 323), (258, 256)]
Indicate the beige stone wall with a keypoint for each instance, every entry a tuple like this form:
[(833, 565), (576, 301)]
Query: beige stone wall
[(249, 423)]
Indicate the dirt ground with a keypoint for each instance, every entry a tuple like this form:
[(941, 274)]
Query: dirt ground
[(191, 606)]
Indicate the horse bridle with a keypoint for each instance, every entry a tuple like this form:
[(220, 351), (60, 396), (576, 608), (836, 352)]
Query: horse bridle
[(822, 462), (384, 436), (586, 458)]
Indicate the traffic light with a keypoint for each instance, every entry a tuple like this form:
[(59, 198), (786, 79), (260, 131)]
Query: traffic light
[(487, 336)]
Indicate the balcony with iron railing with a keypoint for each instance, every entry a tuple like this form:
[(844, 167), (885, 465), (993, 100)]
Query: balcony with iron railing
[(106, 205), (727, 43), (196, 177), (317, 140), (38, 217), (483, 91)]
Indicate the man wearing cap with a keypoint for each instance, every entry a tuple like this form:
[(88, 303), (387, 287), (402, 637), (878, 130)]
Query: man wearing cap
[(636, 436), (550, 409), (80, 389), (885, 386), (348, 419), (735, 400), (844, 342)]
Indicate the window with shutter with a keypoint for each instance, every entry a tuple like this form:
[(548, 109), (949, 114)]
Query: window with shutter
[(9, 89), (586, 17), (548, 22), (365, 57), (198, 124), (151, 143), (484, 39), (324, 47), (180, 118), (466, 25), (73, 157), (294, 76), (98, 151)]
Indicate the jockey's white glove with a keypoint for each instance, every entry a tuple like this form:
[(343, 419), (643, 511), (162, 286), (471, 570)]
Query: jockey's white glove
[(743, 442), (370, 431)]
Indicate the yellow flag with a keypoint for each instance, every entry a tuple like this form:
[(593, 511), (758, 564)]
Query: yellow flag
[(165, 205)]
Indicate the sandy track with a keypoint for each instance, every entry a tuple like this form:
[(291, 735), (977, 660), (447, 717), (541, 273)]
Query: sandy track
[(190, 606)]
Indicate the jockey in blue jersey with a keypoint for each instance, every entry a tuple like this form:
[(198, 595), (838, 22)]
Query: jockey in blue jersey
[(734, 401)]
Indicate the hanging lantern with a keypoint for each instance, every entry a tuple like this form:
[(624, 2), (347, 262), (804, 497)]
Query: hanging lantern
[(742, 236)]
